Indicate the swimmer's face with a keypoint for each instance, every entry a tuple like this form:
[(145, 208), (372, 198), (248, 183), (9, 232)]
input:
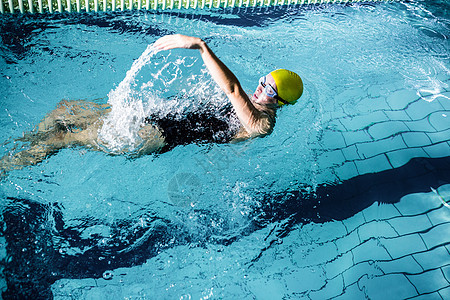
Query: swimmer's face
[(261, 97)]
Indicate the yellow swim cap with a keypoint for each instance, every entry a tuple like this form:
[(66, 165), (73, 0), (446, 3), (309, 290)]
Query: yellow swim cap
[(289, 85)]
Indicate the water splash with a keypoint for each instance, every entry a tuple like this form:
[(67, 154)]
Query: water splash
[(121, 125), (168, 84)]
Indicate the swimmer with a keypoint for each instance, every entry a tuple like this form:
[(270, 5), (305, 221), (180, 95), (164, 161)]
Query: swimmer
[(77, 122)]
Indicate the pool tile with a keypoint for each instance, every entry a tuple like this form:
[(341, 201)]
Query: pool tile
[(336, 114), (368, 104), (109, 292), (446, 270), (371, 250), (401, 99), (331, 158), (346, 171), (387, 129), (380, 211), (439, 216), (338, 265), (304, 280), (399, 158), (332, 288), (429, 281), (358, 271), (413, 224), (329, 232), (433, 259), (398, 115), (384, 287), (335, 125), (443, 77), (333, 140), (432, 296), (441, 136), (374, 91), (377, 90), (403, 245), (348, 95), (367, 150), (326, 175), (301, 254), (353, 222), (362, 121), (437, 235), (283, 263), (406, 264), (444, 190), (440, 120), (266, 288), (355, 137), (351, 292), (420, 125), (438, 150), (445, 293), (373, 165), (318, 255), (416, 139), (351, 153), (444, 100), (376, 229), (417, 203), (421, 109), (348, 242)]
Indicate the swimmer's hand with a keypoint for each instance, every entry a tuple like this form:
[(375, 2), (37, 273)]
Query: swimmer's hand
[(178, 41)]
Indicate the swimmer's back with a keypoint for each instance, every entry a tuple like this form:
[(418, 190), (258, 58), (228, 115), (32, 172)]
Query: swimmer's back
[(199, 127)]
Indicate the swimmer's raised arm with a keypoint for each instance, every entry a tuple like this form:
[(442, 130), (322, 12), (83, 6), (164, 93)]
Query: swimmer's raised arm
[(227, 81)]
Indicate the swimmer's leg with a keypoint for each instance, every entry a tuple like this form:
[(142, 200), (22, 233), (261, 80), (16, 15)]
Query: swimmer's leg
[(40, 149), (39, 146), (72, 123), (29, 157), (73, 114)]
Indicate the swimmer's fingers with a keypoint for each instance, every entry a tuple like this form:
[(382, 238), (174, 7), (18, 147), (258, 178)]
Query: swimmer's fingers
[(177, 41)]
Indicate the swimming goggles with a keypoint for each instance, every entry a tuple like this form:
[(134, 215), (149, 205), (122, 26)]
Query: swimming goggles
[(270, 91)]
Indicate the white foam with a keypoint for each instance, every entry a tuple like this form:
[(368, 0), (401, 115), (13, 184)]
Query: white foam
[(168, 84), (121, 125)]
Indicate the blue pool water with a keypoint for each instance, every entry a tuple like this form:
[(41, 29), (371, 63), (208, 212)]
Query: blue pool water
[(347, 198)]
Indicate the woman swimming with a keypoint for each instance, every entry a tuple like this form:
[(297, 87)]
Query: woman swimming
[(76, 123)]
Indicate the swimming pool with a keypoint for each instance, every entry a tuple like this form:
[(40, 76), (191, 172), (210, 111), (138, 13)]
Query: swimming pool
[(347, 198)]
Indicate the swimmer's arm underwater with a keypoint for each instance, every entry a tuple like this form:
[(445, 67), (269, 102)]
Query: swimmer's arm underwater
[(249, 116)]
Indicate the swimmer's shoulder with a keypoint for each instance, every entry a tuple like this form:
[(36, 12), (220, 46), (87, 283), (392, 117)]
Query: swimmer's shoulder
[(265, 122), (261, 127)]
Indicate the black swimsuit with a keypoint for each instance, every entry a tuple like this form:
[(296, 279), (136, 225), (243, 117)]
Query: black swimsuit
[(198, 127)]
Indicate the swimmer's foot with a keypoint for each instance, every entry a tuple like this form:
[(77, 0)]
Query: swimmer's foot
[(3, 172), (24, 158)]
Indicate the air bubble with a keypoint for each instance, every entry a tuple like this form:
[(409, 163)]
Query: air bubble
[(108, 275)]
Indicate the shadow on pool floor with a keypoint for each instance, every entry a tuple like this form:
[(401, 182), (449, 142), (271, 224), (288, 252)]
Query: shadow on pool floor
[(34, 263)]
